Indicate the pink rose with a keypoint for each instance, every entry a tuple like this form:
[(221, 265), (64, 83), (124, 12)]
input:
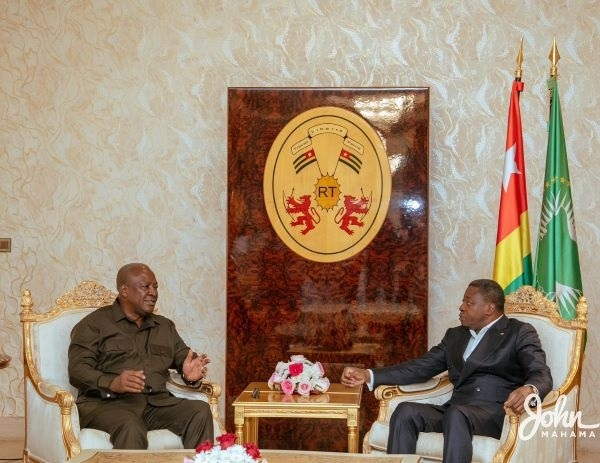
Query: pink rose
[(226, 440), (204, 446), (304, 388), (296, 369), (287, 387)]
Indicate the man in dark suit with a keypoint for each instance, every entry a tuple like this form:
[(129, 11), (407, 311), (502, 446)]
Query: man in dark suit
[(492, 361)]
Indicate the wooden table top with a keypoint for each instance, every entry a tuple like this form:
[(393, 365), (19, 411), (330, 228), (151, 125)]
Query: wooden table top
[(272, 456), (337, 395)]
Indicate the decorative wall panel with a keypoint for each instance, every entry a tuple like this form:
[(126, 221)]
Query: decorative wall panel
[(367, 309)]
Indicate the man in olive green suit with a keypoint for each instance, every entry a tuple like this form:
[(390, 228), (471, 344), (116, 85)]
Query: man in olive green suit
[(119, 360)]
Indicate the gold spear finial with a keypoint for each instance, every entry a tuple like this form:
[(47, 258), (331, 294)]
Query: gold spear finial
[(519, 62), (554, 56)]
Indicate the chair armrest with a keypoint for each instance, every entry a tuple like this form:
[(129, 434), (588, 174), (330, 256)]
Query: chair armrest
[(419, 387), (435, 390), (51, 408), (206, 391), (203, 391), (549, 403), (539, 443)]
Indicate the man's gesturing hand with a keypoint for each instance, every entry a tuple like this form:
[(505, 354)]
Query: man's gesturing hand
[(129, 381), (194, 367)]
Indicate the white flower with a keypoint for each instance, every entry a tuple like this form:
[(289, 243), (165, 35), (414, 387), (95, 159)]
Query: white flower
[(234, 454), (275, 378), (281, 368), (321, 384), (315, 370)]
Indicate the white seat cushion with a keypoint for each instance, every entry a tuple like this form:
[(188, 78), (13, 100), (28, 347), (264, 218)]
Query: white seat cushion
[(157, 440)]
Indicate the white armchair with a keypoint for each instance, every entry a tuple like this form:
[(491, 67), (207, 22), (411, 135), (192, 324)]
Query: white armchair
[(563, 342), (52, 432)]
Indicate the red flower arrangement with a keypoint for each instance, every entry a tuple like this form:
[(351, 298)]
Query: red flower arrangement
[(226, 451)]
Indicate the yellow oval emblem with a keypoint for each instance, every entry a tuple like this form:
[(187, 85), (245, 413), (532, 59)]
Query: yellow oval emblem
[(327, 184)]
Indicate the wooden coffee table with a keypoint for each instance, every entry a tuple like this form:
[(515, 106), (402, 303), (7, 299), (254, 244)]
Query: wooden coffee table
[(338, 402), (272, 456)]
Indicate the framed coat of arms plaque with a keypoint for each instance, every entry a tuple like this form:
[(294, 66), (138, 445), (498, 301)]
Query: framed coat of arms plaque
[(327, 239), (327, 184)]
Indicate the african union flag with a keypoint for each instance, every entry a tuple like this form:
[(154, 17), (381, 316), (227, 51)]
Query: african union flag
[(557, 271)]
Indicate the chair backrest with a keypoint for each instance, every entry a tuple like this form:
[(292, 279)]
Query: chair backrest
[(562, 340), (50, 343), (46, 336)]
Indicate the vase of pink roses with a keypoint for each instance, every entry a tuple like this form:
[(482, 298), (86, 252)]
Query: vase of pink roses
[(299, 375)]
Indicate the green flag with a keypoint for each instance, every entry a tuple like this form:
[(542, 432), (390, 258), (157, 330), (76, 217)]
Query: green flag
[(557, 272)]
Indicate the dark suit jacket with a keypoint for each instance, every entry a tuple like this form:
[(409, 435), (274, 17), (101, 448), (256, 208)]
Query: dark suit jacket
[(509, 356)]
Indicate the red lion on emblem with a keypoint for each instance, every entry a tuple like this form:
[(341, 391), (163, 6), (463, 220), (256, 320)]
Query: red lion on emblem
[(306, 215), (345, 216)]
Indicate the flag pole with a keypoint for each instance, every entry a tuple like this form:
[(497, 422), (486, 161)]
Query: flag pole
[(557, 271), (512, 259), (554, 56), (519, 70)]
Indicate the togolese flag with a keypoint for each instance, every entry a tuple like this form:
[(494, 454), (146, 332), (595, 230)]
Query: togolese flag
[(304, 160), (351, 160), (512, 263), (557, 272)]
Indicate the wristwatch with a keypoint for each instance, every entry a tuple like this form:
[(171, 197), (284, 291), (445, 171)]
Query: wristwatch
[(533, 401), (187, 381)]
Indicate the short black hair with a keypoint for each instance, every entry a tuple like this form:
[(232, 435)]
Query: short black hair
[(491, 292)]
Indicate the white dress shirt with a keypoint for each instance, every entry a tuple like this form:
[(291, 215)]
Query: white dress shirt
[(476, 337)]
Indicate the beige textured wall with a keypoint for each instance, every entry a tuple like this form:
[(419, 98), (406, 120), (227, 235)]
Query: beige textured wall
[(113, 136)]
